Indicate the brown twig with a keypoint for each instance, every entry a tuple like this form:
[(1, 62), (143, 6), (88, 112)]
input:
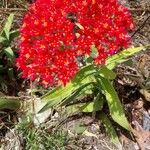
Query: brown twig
[(140, 9), (13, 9), (8, 13), (140, 27)]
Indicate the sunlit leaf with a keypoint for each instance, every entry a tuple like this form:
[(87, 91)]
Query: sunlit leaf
[(72, 97), (115, 106), (94, 106), (66, 100), (72, 109), (86, 75), (2, 39), (9, 52), (110, 130), (122, 56), (9, 103), (106, 73), (58, 94), (8, 25)]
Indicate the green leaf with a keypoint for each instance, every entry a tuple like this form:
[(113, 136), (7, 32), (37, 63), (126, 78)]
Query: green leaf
[(65, 101), (86, 91), (110, 130), (89, 60), (14, 34), (94, 106), (11, 73), (129, 62), (58, 94), (9, 52), (72, 97), (87, 107), (122, 56), (82, 77), (72, 109), (2, 39), (115, 106), (9, 103), (106, 73), (8, 25)]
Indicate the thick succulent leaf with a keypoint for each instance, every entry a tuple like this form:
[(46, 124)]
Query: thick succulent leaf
[(122, 56), (106, 73), (7, 27), (9, 103), (115, 106), (110, 130)]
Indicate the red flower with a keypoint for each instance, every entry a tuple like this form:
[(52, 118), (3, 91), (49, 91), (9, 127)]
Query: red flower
[(55, 33)]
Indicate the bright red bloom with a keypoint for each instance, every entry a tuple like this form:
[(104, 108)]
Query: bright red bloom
[(56, 32)]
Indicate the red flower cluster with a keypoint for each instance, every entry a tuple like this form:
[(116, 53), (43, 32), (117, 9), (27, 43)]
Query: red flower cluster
[(55, 32)]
